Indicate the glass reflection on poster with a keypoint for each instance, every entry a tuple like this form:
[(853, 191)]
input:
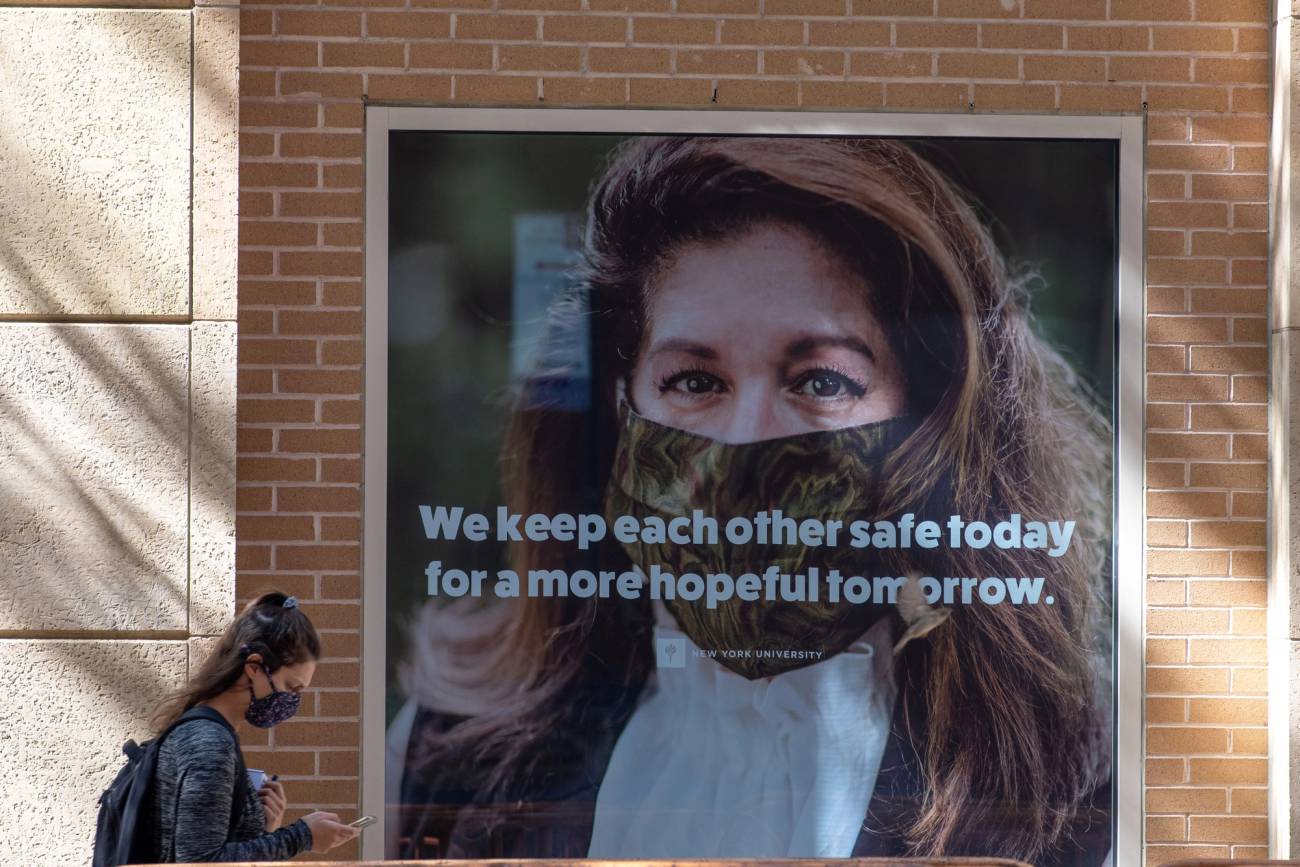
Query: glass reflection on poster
[(750, 497)]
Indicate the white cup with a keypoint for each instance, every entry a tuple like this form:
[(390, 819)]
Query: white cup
[(256, 777)]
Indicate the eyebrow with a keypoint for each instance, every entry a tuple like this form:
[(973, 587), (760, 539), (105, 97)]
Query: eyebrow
[(688, 347), (800, 347), (804, 346)]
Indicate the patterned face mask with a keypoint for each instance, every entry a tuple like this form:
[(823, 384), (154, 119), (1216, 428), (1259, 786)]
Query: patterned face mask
[(827, 475), (273, 708)]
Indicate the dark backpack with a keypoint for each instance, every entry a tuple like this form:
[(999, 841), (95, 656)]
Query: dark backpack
[(123, 831)]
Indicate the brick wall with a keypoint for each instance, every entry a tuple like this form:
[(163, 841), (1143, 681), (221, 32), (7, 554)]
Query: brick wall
[(1201, 70)]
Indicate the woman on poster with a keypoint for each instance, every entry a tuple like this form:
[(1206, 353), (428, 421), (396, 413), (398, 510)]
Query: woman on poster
[(821, 326)]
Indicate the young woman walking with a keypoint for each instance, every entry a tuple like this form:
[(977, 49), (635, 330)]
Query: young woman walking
[(203, 805)]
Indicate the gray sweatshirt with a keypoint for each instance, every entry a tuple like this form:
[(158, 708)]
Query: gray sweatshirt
[(193, 798)]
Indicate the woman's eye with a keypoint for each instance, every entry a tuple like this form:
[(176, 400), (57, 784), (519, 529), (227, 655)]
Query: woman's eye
[(827, 385), (692, 383), (698, 384)]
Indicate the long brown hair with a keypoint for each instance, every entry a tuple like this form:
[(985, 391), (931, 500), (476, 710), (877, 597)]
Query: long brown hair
[(283, 636), (1002, 699)]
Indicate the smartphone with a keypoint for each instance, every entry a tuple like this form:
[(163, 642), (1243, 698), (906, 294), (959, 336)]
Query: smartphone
[(363, 822)]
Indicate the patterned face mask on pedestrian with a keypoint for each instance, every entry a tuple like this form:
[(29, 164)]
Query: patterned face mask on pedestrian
[(669, 473), (273, 708)]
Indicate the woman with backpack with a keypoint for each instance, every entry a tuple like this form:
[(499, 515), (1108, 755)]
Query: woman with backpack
[(202, 806)]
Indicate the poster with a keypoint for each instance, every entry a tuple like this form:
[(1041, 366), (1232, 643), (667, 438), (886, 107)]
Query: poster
[(750, 496)]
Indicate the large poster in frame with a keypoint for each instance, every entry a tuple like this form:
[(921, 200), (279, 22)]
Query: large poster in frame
[(745, 490)]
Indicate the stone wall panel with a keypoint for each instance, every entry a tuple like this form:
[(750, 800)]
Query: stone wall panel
[(212, 477), (216, 162), (94, 423), (66, 707), (94, 162)]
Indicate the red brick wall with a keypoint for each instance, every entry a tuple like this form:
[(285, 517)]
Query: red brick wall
[(1199, 67)]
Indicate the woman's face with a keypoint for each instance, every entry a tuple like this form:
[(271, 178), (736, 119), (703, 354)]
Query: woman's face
[(763, 335)]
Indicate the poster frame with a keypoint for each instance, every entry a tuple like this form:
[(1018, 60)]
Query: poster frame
[(1129, 131)]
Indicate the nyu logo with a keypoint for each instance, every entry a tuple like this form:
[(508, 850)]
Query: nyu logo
[(670, 652)]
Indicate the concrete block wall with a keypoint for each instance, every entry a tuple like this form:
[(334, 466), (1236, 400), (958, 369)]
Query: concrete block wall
[(118, 222), (1198, 69)]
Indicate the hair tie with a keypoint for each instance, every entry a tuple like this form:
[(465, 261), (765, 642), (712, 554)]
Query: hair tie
[(244, 650), (291, 602)]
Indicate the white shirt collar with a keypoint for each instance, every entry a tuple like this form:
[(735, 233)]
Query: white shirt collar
[(714, 765)]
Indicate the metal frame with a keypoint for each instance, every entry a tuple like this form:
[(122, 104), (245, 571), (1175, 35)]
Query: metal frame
[(1130, 531), (1282, 821)]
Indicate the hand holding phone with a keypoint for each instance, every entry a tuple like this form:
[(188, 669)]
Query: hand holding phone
[(363, 822), (327, 831)]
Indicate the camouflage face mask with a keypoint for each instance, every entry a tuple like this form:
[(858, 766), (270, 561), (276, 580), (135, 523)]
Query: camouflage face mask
[(827, 475)]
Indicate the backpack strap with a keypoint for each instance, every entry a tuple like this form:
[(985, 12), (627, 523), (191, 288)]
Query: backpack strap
[(242, 784)]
